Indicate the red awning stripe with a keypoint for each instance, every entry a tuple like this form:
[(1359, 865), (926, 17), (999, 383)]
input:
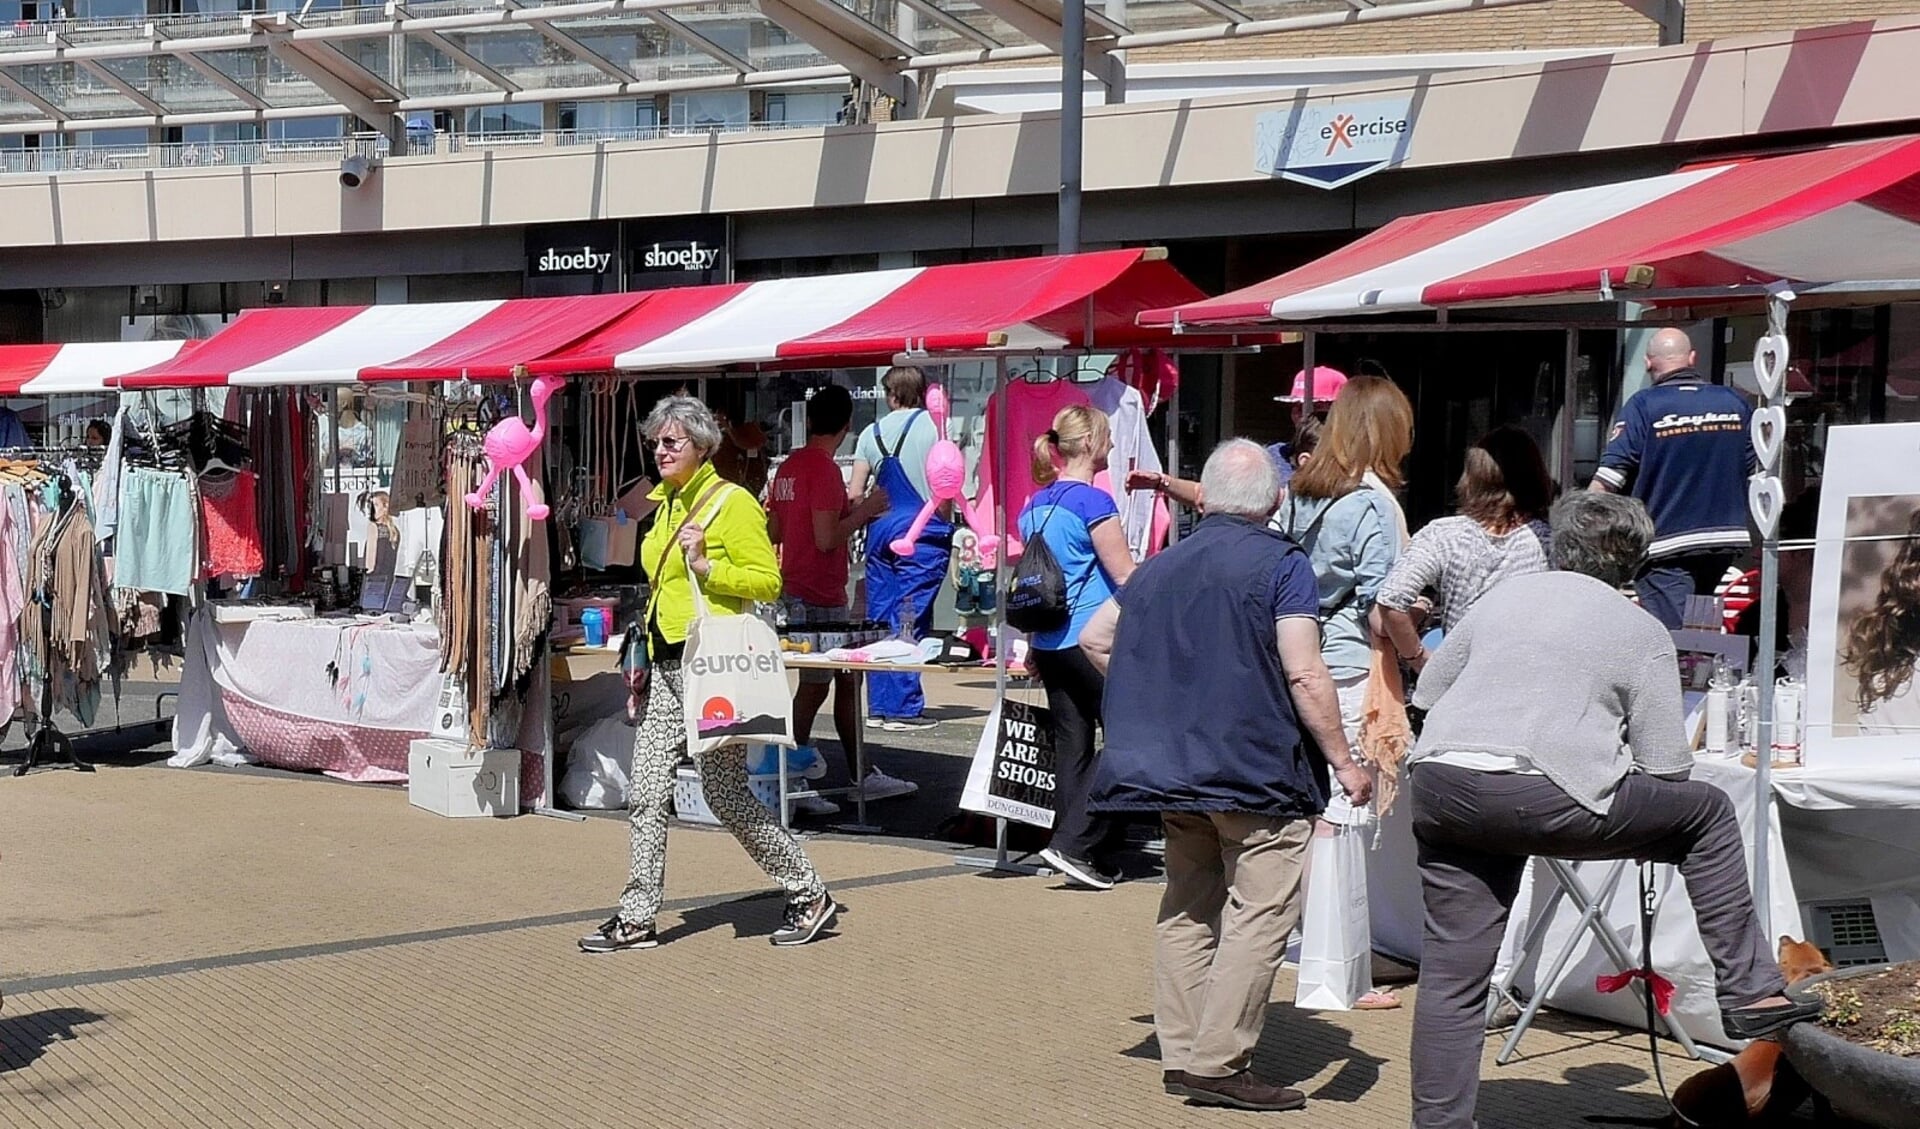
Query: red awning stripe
[(78, 370), (1846, 213)]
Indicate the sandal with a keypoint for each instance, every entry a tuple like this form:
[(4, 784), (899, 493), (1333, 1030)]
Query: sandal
[(1377, 1000), (1760, 1022)]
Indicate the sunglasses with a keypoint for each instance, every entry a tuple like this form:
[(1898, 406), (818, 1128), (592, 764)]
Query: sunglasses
[(669, 445)]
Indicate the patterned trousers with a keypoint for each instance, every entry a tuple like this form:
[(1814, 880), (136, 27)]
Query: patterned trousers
[(658, 743)]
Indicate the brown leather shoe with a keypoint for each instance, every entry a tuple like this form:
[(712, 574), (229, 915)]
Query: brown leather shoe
[(1243, 1091), (1175, 1081)]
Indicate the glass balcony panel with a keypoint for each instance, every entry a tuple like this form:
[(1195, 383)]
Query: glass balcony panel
[(432, 73)]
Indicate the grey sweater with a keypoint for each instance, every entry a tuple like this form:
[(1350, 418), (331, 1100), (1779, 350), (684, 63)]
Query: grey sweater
[(1560, 669)]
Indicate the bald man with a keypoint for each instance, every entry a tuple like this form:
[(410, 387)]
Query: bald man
[(1681, 447)]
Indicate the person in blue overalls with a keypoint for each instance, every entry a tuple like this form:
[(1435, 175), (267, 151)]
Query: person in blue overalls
[(892, 456)]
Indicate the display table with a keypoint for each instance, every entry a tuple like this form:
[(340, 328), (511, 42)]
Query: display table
[(857, 755), (344, 697)]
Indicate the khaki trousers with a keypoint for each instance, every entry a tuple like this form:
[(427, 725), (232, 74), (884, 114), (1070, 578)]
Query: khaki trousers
[(1232, 898)]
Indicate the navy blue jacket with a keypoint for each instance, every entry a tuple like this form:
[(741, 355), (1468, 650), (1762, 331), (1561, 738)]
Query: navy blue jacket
[(1681, 447), (1198, 717)]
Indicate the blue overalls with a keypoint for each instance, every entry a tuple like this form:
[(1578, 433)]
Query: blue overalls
[(895, 582)]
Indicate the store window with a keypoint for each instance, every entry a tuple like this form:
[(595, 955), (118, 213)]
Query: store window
[(1903, 363), (1837, 374)]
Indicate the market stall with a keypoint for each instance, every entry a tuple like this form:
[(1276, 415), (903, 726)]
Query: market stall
[(473, 359), (1829, 225)]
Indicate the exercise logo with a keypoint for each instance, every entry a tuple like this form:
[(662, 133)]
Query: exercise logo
[(1332, 144)]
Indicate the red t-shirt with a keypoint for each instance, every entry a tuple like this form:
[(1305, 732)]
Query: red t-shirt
[(809, 482)]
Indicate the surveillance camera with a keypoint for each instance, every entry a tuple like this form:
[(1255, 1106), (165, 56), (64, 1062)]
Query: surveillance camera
[(354, 172), (276, 294)]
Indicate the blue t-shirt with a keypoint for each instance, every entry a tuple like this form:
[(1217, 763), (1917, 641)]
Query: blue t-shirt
[(1065, 514)]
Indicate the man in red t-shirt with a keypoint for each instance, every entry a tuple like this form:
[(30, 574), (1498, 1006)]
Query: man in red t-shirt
[(811, 519)]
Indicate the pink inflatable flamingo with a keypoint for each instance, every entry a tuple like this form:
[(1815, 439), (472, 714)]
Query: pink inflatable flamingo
[(510, 443), (947, 479)]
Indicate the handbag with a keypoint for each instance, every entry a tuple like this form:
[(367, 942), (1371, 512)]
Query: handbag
[(1037, 592), (735, 686)]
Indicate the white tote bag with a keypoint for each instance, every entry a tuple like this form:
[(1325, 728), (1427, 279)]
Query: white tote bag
[(736, 680), (1336, 949)]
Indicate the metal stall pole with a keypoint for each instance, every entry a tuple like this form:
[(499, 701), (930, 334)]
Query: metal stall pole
[(1308, 363), (1173, 458), (1569, 402), (1002, 636), (1073, 84), (1763, 500)]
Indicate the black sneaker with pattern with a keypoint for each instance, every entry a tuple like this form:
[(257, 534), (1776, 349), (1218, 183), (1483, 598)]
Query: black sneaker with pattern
[(806, 922), (615, 936)]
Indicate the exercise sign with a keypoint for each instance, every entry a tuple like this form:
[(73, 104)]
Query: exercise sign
[(1012, 774), (1334, 143)]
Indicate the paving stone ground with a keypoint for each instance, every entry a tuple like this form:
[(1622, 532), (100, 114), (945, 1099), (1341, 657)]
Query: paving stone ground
[(219, 948)]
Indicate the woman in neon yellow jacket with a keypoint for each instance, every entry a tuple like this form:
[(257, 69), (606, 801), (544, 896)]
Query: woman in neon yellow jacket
[(718, 532)]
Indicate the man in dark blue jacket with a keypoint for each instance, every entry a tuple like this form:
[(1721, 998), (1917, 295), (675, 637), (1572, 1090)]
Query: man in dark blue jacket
[(1681, 447), (1212, 657)]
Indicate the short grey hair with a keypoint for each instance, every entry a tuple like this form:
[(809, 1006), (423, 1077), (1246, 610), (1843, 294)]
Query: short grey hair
[(694, 418), (1604, 536), (1240, 479)]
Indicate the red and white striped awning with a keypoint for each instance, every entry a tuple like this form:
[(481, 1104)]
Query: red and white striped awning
[(1069, 301), (1072, 301), (1845, 214), (286, 345), (78, 370)]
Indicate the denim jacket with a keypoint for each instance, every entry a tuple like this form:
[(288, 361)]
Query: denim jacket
[(1352, 541)]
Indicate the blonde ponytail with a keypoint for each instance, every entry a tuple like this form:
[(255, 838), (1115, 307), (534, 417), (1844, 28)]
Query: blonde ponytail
[(1077, 431)]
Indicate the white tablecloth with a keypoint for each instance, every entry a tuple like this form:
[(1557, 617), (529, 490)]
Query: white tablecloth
[(1393, 892), (263, 689)]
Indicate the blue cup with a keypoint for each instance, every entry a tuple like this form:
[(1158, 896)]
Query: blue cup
[(594, 622)]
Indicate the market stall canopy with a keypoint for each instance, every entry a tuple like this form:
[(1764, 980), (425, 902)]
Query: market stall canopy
[(1057, 302), (1843, 214), (78, 370), (284, 345)]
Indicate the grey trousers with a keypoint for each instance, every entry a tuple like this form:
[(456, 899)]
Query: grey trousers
[(1475, 831)]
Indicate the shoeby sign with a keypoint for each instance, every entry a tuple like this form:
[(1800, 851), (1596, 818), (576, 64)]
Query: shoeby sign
[(688, 252), (1330, 144), (572, 260), (1012, 775)]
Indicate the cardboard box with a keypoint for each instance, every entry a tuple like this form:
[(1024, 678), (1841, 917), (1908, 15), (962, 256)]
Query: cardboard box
[(448, 778)]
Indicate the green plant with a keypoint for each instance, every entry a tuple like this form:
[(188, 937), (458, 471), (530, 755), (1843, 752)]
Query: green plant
[(1843, 1005), (1900, 1034)]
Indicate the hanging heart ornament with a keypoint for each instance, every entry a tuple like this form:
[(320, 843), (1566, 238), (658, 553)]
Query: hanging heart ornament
[(1763, 502), (1770, 364), (1769, 434)]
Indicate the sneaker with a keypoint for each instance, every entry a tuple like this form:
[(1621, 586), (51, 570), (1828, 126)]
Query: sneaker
[(804, 923), (815, 805), (1242, 1091), (879, 786), (909, 724), (816, 764), (616, 935), (1080, 872), (876, 723), (1174, 1082), (803, 802), (1504, 1013)]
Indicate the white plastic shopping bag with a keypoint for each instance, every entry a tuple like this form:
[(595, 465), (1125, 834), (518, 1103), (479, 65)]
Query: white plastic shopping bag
[(736, 680), (598, 767), (1336, 950)]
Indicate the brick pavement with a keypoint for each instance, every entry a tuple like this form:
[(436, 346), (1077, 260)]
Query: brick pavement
[(209, 948)]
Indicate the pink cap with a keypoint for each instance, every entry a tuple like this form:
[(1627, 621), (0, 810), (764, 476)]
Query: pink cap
[(1327, 383)]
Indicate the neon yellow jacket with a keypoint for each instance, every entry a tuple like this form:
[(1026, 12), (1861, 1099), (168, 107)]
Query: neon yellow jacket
[(745, 567)]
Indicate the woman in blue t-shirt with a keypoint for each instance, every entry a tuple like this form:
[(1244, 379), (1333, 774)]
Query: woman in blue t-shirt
[(1080, 525)]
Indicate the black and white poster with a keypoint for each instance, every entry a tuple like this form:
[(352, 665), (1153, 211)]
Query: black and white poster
[(1012, 774)]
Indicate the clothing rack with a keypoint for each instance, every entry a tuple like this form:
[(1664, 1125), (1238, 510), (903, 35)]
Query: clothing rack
[(48, 740)]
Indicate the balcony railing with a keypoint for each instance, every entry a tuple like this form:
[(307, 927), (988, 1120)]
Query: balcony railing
[(219, 154)]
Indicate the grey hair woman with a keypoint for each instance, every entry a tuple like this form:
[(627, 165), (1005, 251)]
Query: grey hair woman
[(1522, 755), (709, 529)]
